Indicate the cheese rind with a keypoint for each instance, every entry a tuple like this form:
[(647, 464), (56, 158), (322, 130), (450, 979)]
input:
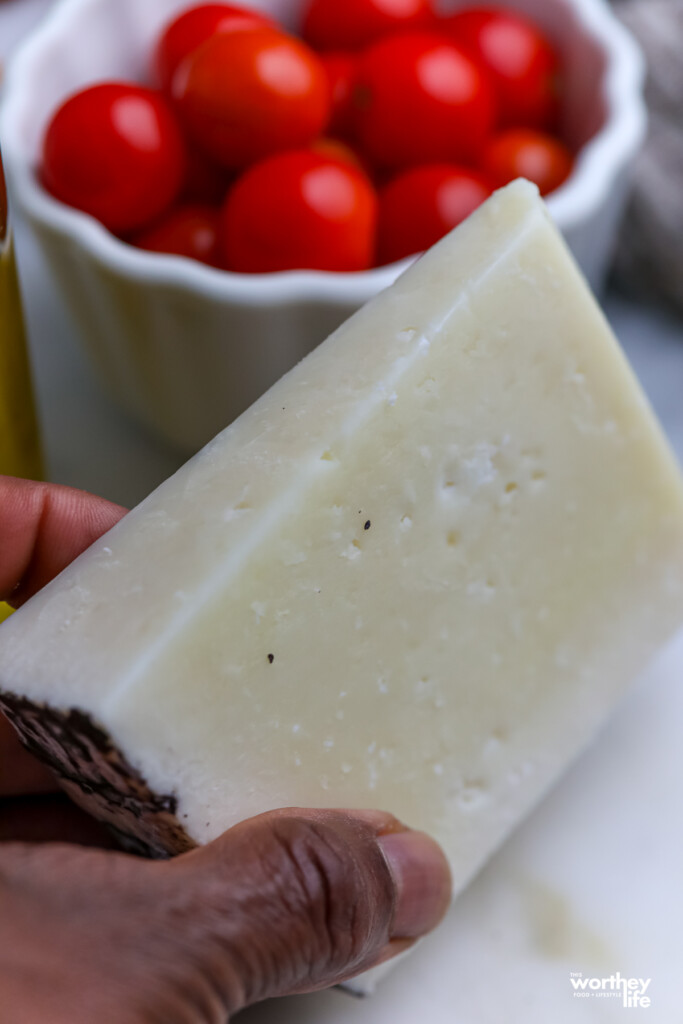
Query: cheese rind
[(416, 575)]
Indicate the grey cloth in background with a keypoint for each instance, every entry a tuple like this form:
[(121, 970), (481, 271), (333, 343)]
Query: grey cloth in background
[(649, 257)]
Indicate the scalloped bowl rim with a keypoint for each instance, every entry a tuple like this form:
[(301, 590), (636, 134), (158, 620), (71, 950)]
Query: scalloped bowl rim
[(597, 165)]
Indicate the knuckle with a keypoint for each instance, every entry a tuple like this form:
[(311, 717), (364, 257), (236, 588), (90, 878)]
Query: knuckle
[(288, 904), (332, 889)]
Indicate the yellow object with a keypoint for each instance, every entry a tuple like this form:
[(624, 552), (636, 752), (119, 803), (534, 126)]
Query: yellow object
[(19, 441)]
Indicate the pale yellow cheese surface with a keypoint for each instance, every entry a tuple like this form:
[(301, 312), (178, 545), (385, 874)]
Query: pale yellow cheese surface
[(416, 575)]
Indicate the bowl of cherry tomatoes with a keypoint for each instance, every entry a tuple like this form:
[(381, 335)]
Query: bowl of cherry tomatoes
[(216, 187)]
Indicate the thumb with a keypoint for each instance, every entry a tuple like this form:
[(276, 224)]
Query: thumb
[(303, 899), (290, 901)]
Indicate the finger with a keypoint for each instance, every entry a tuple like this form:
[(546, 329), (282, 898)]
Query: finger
[(43, 528), (307, 899), (288, 902)]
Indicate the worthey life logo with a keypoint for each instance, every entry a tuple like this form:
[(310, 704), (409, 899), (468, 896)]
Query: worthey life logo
[(632, 991)]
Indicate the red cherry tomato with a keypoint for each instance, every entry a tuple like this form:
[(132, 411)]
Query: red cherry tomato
[(353, 24), (341, 72), (190, 231), (115, 151), (421, 99), (523, 153), (299, 210), (245, 95), (192, 28), (420, 206), (524, 66)]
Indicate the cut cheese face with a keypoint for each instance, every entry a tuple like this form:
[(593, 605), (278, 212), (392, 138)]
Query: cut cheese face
[(416, 575)]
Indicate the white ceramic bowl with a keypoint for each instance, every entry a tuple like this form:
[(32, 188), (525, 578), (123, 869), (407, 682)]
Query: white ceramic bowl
[(186, 348)]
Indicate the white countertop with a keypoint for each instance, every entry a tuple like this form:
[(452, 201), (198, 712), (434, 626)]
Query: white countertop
[(593, 882)]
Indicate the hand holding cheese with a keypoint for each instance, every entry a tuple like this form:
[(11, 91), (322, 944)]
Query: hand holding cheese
[(95, 933), (417, 574), (285, 903)]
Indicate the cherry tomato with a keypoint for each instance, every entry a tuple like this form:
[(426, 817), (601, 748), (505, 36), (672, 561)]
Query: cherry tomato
[(523, 153), (524, 66), (192, 28), (115, 151), (420, 206), (341, 72), (205, 181), (299, 210), (420, 99), (190, 230), (245, 95), (353, 24)]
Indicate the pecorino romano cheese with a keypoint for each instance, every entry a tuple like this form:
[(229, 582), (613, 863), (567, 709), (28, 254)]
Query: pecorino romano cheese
[(416, 575)]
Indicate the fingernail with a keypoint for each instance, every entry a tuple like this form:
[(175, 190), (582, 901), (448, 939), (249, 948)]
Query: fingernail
[(423, 882)]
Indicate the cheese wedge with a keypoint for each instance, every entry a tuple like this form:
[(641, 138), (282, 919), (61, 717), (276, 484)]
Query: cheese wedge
[(416, 575)]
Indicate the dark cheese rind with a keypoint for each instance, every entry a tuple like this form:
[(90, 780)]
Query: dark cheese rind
[(96, 775)]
